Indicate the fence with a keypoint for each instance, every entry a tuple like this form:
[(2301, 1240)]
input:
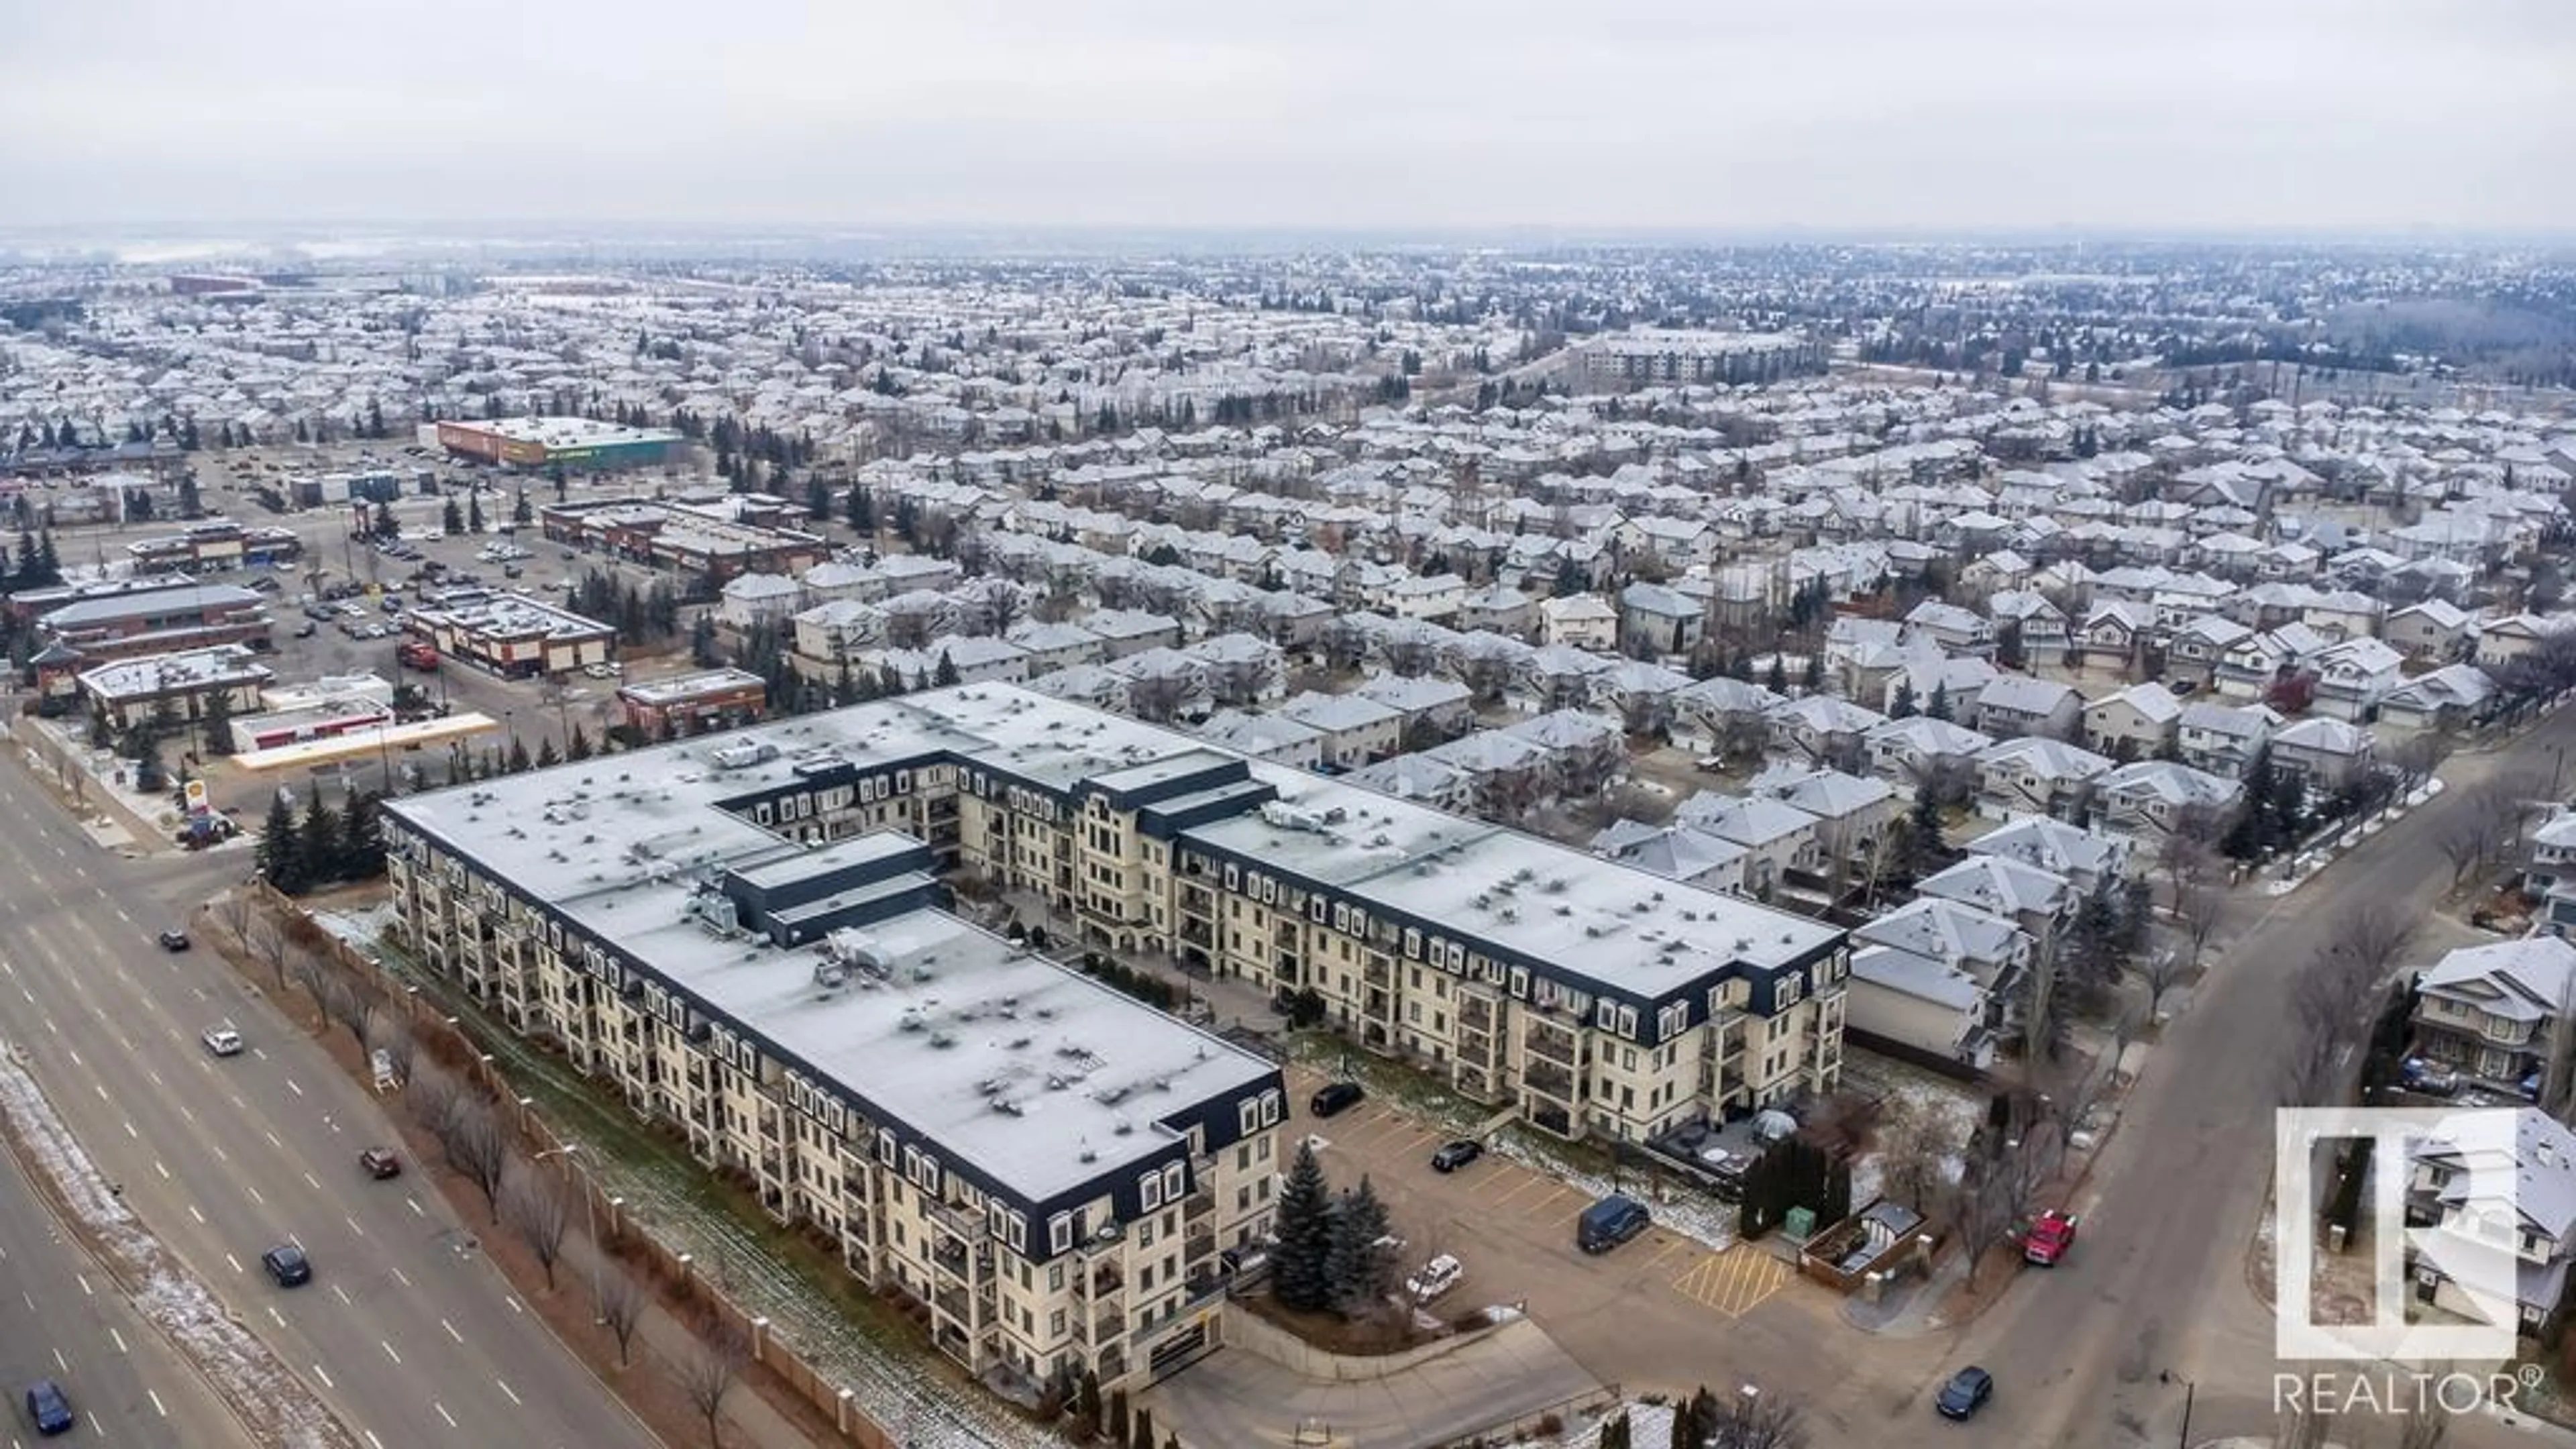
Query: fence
[(1565, 1413), (440, 1038)]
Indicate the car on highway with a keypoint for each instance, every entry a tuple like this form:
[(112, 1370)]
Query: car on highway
[(287, 1264), (1965, 1393), (174, 940), (1455, 1155), (1336, 1097), (223, 1041), (49, 1408), (380, 1163)]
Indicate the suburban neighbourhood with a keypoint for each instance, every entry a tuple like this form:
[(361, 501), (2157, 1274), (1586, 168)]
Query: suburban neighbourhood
[(1344, 850)]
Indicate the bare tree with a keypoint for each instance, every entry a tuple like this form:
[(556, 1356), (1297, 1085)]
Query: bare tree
[(354, 1004), (400, 1044), (2328, 999), (1760, 1421), (2198, 911), (1156, 698), (621, 1303), (2463, 842), (2077, 1092), (266, 942), (315, 976), (539, 1215), (477, 1146), (2370, 938), (1984, 1215), (708, 1372), (1913, 1142), (431, 1101), (233, 913)]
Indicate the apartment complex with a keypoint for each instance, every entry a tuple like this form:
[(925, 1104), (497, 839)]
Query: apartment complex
[(746, 932)]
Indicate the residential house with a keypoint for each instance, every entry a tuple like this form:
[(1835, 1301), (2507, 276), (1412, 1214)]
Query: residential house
[(2330, 755), (1579, 621), (1776, 836), (1641, 697), (1956, 630), (1497, 609), (2017, 704), (2502, 641), (2200, 646), (1132, 631), (2036, 775), (1420, 779), (1721, 715), (2224, 738), (2153, 799), (1989, 949), (1852, 812), (1918, 750), (1507, 777), (2041, 902), (1932, 682), (2088, 860), (1553, 677), (1435, 598), (1822, 729), (754, 599), (2468, 1203), (2493, 1011), (1914, 1006), (1656, 620), (1057, 646), (2453, 697), (1271, 737), (1355, 729), (2431, 629), (1681, 853), (2353, 676), (2038, 622), (2138, 723), (1443, 706), (2115, 630)]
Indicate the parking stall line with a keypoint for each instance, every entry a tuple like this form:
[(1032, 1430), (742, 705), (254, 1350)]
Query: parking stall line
[(1544, 1207), (1677, 1245), (1518, 1188)]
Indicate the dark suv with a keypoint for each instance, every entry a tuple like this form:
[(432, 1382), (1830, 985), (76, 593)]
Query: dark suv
[(287, 1264), (1336, 1097)]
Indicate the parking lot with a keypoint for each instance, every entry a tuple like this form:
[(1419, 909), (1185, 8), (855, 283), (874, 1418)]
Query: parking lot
[(1664, 1311)]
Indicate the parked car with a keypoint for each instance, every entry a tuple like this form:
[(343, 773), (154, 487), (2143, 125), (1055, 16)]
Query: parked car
[(1455, 1155), (174, 940), (2047, 1239), (223, 1041), (380, 1163), (287, 1264), (1336, 1097), (306, 629), (1965, 1393), (1437, 1277), (49, 1409), (2420, 1074), (1608, 1223)]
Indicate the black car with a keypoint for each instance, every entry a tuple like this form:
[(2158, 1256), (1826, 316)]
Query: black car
[(1336, 1097), (287, 1264), (174, 940), (1455, 1155), (1965, 1393)]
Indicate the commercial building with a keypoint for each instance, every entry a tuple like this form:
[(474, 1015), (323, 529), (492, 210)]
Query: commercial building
[(184, 686), (1660, 357), (558, 442), (217, 543), (688, 539), (512, 635), (694, 704), (138, 623), (745, 933)]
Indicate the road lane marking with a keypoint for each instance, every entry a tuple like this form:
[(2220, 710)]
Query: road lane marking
[(505, 1389), (514, 1305), (254, 1194), (159, 1168), (201, 1218), (372, 1439), (149, 1073), (399, 1277), (320, 1373), (86, 1290), (260, 1052), (118, 1339), (290, 1086), (309, 1181), (184, 1112), (414, 1204), (352, 1222), (339, 1292), (276, 1317), (451, 1330), (157, 1406), (389, 1352), (74, 1052), (130, 1132), (442, 1413), (66, 1363), (272, 1138), (49, 1021), (229, 1258), (219, 1153)]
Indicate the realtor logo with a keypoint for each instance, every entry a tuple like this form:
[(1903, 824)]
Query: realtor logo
[(2469, 1256)]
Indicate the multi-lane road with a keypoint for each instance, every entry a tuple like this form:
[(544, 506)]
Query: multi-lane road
[(404, 1330)]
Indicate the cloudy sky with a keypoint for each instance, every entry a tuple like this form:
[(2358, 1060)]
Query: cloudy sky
[(1410, 115)]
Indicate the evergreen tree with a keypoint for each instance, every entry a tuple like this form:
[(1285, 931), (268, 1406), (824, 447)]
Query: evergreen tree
[(946, 674), (452, 519), (1902, 705), (474, 512), (362, 838), (49, 564), (1939, 708), (580, 748), (907, 519), (546, 755), (818, 500), (218, 722), (1143, 1438), (518, 762), (1118, 1416), (1357, 1265), (1812, 677), (1776, 678), (317, 843), (1086, 1404), (1305, 1228), (1923, 840), (860, 510), (520, 513), (279, 860)]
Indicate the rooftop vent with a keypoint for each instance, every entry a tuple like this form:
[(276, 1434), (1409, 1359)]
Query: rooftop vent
[(943, 1040)]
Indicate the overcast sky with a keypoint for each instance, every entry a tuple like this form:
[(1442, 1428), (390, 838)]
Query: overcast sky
[(1413, 115)]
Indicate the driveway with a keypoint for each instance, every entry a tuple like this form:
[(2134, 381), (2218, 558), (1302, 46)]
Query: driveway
[(1239, 1400)]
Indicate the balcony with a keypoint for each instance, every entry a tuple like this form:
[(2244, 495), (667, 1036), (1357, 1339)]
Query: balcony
[(1552, 1081), (1198, 1207), (957, 1222), (1109, 1326), (1106, 1279), (1551, 1047), (1475, 1014)]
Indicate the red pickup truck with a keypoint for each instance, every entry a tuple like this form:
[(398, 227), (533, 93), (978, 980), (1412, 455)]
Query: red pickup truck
[(2047, 1238), (417, 654)]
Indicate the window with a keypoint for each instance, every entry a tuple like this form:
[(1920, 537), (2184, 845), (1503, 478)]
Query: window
[(1150, 1189), (1250, 1115), (1059, 1240), (885, 1147), (1176, 1182)]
